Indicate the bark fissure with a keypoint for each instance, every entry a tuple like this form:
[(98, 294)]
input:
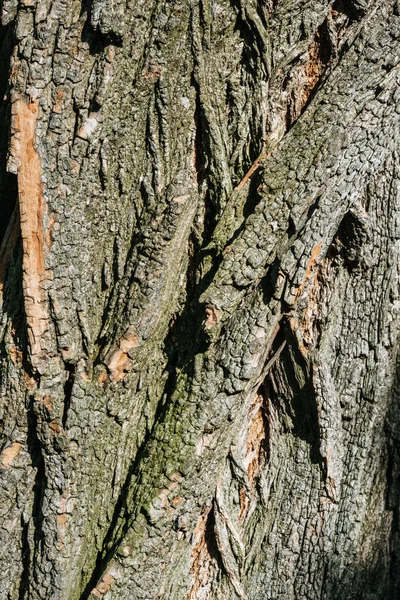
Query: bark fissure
[(199, 300)]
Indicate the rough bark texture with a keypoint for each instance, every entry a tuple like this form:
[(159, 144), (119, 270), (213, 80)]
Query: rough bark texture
[(200, 224)]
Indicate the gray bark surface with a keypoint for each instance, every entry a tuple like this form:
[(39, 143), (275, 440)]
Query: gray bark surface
[(199, 300)]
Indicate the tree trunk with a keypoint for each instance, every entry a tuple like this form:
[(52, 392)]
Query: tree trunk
[(200, 225)]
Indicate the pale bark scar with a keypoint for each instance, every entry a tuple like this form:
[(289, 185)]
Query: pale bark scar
[(31, 208), (103, 586), (9, 454), (118, 359), (176, 479)]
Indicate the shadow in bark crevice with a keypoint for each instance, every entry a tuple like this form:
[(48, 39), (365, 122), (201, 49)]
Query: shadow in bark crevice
[(393, 481), (24, 584), (347, 244), (368, 581), (68, 385), (354, 9), (256, 53), (97, 40), (290, 387), (202, 153), (8, 181), (36, 452)]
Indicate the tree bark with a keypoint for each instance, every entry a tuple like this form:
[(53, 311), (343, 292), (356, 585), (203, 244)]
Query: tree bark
[(199, 265)]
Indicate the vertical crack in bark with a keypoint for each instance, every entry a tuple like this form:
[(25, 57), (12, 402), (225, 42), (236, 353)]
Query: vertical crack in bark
[(24, 584), (35, 450), (392, 502), (7, 211), (68, 387), (8, 181), (8, 244), (284, 535), (292, 389)]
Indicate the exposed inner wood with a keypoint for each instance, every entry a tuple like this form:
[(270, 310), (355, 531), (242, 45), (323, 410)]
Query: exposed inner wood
[(31, 210)]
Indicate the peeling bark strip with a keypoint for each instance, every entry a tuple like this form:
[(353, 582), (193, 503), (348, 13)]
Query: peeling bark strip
[(31, 208)]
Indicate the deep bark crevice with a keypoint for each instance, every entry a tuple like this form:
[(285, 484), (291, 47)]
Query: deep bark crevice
[(24, 584), (8, 181), (68, 386), (291, 388), (354, 9), (199, 239), (35, 449)]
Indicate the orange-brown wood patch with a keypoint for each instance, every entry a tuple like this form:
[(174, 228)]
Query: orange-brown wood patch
[(310, 267), (31, 208)]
